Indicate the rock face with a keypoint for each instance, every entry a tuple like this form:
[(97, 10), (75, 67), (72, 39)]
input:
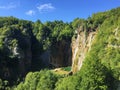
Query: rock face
[(45, 56), (60, 55), (80, 46), (17, 61), (24, 56)]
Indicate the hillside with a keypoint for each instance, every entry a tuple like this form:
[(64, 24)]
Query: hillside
[(91, 47), (101, 63)]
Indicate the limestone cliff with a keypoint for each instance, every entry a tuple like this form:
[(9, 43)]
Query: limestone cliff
[(19, 58), (24, 56), (81, 44), (60, 55)]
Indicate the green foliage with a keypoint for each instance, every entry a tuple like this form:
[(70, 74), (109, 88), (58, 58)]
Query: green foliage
[(100, 70), (15, 38), (1, 84), (93, 74), (52, 32), (4, 85), (68, 83), (77, 23), (66, 33), (67, 68), (43, 80)]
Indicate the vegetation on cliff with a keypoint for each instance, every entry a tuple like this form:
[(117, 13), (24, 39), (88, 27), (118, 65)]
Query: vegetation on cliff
[(22, 42), (100, 69)]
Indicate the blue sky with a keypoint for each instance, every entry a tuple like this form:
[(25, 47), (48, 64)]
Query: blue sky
[(50, 10)]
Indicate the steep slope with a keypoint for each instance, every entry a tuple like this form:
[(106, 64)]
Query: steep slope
[(61, 56), (85, 36), (16, 46), (80, 46), (26, 46), (100, 64), (95, 52), (56, 40), (102, 61)]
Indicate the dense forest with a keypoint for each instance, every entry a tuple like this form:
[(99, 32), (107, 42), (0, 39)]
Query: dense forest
[(29, 51)]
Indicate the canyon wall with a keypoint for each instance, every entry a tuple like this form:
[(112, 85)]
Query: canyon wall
[(81, 44), (61, 54)]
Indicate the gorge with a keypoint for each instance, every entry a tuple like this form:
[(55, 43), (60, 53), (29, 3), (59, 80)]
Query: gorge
[(89, 46)]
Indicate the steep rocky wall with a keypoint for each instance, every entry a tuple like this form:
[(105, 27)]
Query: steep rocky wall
[(25, 56), (17, 61), (80, 46), (60, 55)]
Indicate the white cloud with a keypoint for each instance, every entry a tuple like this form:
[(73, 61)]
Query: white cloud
[(30, 12), (45, 7), (10, 5)]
